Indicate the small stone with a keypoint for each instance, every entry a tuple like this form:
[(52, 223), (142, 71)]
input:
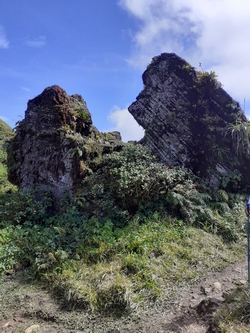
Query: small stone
[(243, 281), (217, 286), (32, 328), (205, 290), (240, 282)]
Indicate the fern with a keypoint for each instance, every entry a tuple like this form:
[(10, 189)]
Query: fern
[(220, 152), (221, 207), (200, 198), (223, 195)]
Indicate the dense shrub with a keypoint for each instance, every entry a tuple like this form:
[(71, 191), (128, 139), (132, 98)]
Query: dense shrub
[(18, 207), (130, 181)]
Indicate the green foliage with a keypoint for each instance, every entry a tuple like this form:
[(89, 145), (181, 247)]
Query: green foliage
[(240, 133), (8, 251), (84, 115), (187, 67), (108, 136), (5, 134), (128, 181), (207, 81), (210, 74), (81, 113), (220, 152), (19, 207), (231, 177), (94, 265), (128, 232), (234, 314)]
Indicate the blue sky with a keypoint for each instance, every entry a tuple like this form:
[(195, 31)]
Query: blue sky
[(100, 48)]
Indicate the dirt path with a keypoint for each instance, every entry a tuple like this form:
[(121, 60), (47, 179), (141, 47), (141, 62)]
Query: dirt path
[(23, 305), (183, 316)]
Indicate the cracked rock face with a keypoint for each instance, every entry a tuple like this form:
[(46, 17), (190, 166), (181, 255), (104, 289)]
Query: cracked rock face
[(186, 114), (161, 105), (56, 144)]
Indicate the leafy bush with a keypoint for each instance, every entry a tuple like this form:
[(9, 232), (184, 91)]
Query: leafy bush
[(128, 182), (22, 206)]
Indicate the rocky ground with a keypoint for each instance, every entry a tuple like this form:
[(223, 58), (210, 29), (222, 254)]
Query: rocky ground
[(27, 308), (192, 309)]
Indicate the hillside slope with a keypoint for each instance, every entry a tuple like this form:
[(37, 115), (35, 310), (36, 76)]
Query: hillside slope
[(6, 133)]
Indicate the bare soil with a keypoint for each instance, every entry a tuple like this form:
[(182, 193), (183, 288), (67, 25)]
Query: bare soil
[(24, 304)]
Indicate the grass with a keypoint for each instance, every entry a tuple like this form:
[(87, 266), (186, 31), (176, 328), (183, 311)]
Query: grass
[(96, 270), (141, 268), (123, 270), (234, 315)]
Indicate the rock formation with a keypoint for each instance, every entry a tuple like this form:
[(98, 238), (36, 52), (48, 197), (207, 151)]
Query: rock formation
[(189, 119), (56, 144)]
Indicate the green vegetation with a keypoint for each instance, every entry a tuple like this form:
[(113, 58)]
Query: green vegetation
[(207, 81), (234, 314), (5, 134), (134, 233), (221, 153), (81, 113), (240, 133)]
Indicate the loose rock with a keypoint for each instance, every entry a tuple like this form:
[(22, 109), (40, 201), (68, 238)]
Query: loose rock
[(32, 329)]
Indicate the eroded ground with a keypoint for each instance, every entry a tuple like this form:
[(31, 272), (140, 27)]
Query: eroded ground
[(24, 304)]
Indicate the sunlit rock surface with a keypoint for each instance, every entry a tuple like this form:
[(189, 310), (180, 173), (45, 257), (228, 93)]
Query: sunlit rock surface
[(187, 117)]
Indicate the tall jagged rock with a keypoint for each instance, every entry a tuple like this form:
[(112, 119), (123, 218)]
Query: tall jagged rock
[(56, 144), (188, 120)]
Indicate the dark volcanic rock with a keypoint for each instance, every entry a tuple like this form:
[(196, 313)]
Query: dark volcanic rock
[(56, 144), (186, 116)]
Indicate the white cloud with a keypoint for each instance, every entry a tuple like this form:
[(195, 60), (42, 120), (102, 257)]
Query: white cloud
[(125, 124), (4, 43), (165, 27), (26, 89), (213, 32), (36, 42)]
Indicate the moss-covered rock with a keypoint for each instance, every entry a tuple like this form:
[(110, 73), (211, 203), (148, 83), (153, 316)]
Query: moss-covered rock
[(56, 144)]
